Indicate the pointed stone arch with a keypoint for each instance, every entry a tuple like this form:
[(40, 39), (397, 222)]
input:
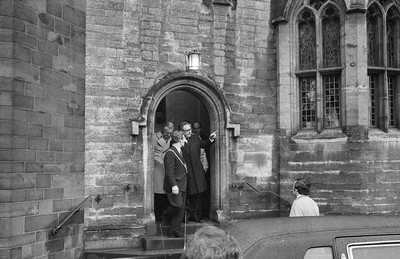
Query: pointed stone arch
[(287, 9), (207, 91)]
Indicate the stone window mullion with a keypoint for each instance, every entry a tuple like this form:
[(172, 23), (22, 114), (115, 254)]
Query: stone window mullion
[(320, 103), (319, 78)]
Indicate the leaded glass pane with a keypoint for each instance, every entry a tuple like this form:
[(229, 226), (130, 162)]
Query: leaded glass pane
[(331, 38), (373, 39), (307, 41), (332, 101), (391, 100), (390, 43), (308, 102), (392, 36), (373, 97)]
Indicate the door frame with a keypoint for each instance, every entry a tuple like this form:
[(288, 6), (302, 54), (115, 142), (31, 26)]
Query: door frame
[(208, 92)]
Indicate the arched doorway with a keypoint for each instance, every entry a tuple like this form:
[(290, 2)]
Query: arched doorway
[(208, 94), (180, 106)]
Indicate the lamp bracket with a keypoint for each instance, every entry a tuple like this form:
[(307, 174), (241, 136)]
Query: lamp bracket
[(235, 127), (136, 123)]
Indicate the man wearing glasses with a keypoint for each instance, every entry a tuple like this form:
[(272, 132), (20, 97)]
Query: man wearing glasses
[(197, 184)]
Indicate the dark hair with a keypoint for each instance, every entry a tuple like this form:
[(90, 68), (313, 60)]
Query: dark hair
[(168, 125), (200, 126), (302, 185)]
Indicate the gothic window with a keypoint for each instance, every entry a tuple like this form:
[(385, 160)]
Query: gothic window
[(383, 36), (319, 65), (373, 23), (307, 38), (331, 38)]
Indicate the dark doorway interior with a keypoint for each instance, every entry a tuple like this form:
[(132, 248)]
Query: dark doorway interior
[(179, 106)]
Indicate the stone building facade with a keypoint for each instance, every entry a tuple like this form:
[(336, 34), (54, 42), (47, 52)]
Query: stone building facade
[(294, 88)]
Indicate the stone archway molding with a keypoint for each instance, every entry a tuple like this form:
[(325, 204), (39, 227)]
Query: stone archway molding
[(220, 115), (286, 8), (192, 77)]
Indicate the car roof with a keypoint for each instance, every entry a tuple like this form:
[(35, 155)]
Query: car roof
[(291, 237)]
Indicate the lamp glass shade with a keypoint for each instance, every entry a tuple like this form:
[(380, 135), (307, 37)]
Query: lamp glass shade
[(193, 60)]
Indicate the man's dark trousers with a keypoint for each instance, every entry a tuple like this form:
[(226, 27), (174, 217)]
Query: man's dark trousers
[(195, 206), (175, 215)]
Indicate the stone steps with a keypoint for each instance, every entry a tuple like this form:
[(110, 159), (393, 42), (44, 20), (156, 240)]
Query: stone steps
[(127, 253), (157, 244)]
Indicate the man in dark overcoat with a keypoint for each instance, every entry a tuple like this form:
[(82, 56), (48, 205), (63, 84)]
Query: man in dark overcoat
[(175, 184), (197, 184)]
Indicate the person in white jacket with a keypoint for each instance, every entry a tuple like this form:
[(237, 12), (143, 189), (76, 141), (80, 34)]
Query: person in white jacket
[(162, 141), (303, 205)]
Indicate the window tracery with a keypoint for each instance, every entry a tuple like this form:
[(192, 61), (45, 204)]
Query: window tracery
[(383, 26), (317, 3), (325, 58), (319, 74), (373, 19), (331, 37), (307, 38)]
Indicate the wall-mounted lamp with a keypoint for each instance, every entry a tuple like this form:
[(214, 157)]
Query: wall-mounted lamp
[(193, 60)]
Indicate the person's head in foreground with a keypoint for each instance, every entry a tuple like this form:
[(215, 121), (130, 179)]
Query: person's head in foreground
[(210, 242)]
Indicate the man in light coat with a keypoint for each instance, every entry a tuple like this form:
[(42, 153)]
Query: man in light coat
[(161, 144)]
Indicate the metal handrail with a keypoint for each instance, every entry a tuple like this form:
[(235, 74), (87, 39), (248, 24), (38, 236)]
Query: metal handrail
[(98, 198), (271, 192), (55, 231), (240, 186)]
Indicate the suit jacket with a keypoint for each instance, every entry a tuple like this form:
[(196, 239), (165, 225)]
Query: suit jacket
[(160, 146), (196, 174), (175, 170)]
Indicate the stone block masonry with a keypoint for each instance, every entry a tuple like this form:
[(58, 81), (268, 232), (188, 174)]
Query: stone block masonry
[(132, 44), (74, 72), (41, 124), (347, 177)]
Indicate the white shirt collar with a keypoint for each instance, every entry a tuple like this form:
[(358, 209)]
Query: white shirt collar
[(177, 148)]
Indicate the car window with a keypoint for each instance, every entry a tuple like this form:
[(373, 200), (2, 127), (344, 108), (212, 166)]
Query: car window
[(319, 253), (382, 250)]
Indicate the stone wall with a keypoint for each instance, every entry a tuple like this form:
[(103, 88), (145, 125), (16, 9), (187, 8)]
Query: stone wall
[(354, 168), (42, 86), (72, 75), (131, 44), (114, 85), (348, 177)]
